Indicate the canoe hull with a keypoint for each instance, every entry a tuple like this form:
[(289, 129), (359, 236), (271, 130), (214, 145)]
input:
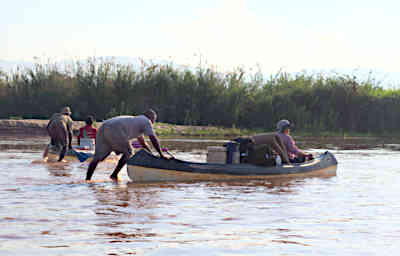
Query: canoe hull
[(145, 174), (143, 171)]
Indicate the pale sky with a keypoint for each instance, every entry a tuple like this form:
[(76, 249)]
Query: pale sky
[(291, 35)]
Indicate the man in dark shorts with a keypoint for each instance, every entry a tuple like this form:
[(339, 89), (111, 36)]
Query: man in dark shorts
[(59, 129), (116, 134)]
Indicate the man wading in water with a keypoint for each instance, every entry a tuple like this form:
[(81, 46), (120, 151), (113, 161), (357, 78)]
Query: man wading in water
[(60, 130), (116, 134)]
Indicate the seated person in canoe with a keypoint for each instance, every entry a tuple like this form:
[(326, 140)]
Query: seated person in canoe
[(294, 153)]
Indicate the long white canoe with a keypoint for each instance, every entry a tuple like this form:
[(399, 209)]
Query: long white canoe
[(145, 167)]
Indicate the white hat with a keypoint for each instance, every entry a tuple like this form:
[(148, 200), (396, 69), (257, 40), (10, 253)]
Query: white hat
[(66, 110), (282, 124)]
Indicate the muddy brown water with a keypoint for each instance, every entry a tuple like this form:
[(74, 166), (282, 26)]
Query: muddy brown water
[(47, 209)]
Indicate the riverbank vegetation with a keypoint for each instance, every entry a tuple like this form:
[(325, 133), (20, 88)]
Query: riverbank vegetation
[(202, 97)]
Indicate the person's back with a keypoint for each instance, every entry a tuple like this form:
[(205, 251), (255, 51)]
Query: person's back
[(130, 126), (88, 132), (61, 119)]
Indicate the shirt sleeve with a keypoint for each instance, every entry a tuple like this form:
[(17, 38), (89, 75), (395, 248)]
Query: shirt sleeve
[(292, 148), (148, 129)]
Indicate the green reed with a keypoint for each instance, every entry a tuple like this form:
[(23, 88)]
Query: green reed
[(202, 96)]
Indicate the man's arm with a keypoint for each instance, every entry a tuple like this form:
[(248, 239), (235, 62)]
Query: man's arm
[(70, 139), (48, 124), (292, 148), (156, 144), (69, 128), (143, 143), (298, 152)]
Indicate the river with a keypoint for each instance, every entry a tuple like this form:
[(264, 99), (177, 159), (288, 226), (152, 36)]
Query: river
[(47, 209)]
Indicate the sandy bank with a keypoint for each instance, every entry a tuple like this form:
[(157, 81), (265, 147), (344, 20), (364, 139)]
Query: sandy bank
[(29, 126), (38, 127)]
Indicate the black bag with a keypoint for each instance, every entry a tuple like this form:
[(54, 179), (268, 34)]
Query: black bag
[(244, 144)]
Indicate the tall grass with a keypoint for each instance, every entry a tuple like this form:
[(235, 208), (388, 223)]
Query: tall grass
[(202, 96)]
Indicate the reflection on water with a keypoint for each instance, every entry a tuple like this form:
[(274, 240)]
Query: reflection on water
[(48, 209)]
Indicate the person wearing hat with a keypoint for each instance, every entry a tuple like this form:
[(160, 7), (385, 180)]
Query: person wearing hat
[(295, 154), (59, 129), (116, 135)]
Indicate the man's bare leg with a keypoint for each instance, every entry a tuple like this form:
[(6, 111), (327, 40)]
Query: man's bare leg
[(91, 168), (46, 153), (121, 163), (62, 153)]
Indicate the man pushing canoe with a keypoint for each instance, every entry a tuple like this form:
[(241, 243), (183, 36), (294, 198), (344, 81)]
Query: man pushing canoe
[(116, 134)]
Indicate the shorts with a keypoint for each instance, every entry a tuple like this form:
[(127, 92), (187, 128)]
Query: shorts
[(111, 139), (54, 149), (58, 133)]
